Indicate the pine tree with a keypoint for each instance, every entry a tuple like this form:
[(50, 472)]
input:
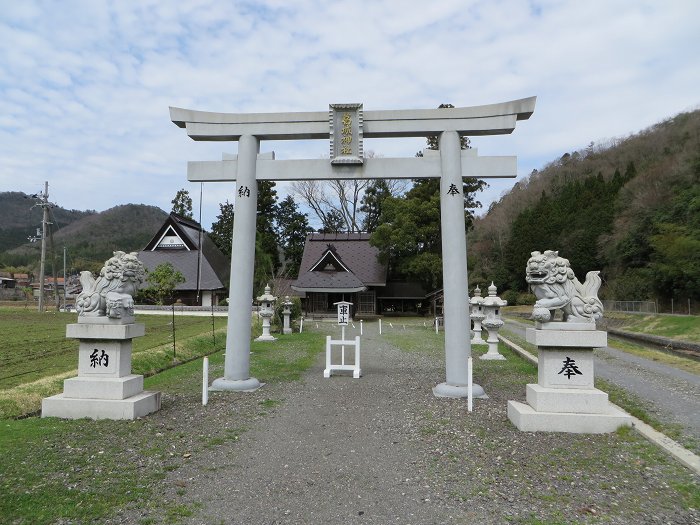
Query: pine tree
[(182, 204), (222, 230), (292, 226)]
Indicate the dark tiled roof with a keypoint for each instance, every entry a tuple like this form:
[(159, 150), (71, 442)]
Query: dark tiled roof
[(214, 265), (335, 281), (354, 251), (186, 263)]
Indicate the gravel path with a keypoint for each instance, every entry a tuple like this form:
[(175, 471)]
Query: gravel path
[(382, 449), (671, 395), (339, 451)]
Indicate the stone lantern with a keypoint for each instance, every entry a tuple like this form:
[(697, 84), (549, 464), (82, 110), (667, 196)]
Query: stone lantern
[(287, 312), (492, 306), (477, 315), (267, 310)]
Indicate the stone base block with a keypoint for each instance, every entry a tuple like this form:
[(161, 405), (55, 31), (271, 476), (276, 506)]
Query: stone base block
[(567, 338), (105, 331), (72, 408), (103, 387), (576, 400), (566, 400), (492, 356), (525, 418), (235, 385), (265, 338), (456, 391)]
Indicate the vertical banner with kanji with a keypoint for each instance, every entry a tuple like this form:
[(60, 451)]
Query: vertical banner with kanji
[(346, 133)]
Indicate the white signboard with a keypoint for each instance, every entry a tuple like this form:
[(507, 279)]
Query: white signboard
[(343, 312)]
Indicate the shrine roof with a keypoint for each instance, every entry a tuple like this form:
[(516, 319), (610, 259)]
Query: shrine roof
[(186, 262), (328, 282), (214, 273), (351, 250)]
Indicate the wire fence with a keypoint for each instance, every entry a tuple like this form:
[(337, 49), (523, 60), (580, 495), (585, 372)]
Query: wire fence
[(647, 307), (664, 305)]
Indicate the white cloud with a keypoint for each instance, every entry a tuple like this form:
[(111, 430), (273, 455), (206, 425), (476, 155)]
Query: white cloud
[(85, 86)]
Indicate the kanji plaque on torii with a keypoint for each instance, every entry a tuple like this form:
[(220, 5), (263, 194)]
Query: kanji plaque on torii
[(346, 125)]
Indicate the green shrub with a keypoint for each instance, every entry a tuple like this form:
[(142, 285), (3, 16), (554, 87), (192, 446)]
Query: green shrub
[(525, 298)]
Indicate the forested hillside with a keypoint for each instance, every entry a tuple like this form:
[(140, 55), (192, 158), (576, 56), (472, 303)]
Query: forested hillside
[(19, 218), (629, 207), (90, 240)]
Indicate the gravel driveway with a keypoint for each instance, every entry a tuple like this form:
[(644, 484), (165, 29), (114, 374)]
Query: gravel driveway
[(382, 449)]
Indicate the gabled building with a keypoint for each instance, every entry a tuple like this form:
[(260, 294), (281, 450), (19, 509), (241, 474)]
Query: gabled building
[(206, 270), (340, 267)]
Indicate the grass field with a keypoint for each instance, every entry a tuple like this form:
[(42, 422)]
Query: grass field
[(84, 470), (35, 356), (685, 327)]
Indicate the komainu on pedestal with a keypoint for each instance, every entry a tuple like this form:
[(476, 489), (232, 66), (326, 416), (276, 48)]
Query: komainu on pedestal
[(105, 388), (565, 398)]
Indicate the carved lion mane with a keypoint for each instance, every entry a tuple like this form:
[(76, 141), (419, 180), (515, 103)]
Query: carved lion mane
[(556, 287), (119, 277)]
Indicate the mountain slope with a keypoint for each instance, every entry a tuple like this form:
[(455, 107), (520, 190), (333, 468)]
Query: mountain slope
[(19, 218), (630, 208), (89, 240)]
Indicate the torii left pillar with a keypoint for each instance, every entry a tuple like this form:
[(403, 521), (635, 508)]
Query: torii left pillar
[(237, 363)]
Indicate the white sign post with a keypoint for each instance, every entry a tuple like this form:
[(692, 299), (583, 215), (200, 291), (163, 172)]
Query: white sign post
[(346, 126), (343, 320), (205, 381)]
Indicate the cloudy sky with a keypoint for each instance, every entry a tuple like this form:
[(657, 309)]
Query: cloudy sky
[(85, 86)]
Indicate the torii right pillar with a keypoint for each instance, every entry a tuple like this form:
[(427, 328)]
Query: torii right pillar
[(454, 272)]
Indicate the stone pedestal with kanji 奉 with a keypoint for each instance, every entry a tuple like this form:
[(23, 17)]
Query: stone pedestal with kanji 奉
[(565, 398)]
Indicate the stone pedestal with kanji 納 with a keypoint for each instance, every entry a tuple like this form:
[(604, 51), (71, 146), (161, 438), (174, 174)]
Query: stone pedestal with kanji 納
[(565, 398), (286, 313), (492, 305), (477, 315), (105, 388)]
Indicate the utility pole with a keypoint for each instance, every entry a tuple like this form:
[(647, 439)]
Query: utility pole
[(43, 201)]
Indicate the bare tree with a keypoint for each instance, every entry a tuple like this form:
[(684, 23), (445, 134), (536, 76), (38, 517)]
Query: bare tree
[(338, 198), (330, 199)]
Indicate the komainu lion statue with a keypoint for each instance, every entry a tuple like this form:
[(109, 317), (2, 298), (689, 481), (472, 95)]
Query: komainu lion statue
[(111, 294), (556, 287)]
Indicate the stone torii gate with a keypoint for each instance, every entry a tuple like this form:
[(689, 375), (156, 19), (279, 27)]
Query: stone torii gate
[(346, 125)]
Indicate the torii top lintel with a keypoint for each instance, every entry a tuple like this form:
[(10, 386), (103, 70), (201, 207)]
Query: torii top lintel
[(491, 119)]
